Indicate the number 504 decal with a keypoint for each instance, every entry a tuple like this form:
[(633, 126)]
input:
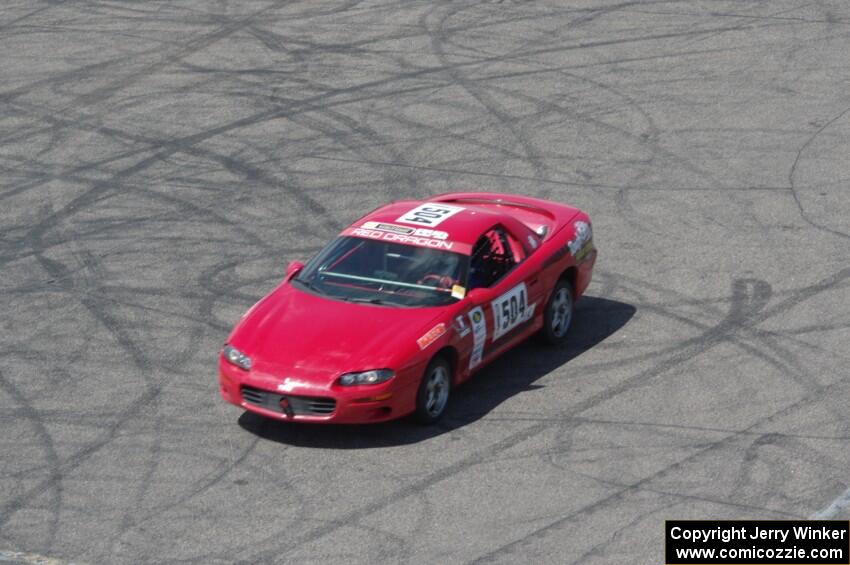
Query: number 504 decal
[(429, 214), (510, 310)]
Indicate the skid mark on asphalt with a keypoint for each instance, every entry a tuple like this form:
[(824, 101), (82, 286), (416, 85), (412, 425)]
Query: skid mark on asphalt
[(792, 172), (834, 509), (24, 558), (45, 440)]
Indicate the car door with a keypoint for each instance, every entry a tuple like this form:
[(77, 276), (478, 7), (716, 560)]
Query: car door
[(504, 297)]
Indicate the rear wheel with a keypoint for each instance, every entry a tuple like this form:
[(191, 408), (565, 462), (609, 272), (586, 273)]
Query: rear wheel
[(433, 394), (559, 314)]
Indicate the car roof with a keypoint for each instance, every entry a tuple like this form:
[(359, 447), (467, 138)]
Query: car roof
[(465, 226), (461, 224)]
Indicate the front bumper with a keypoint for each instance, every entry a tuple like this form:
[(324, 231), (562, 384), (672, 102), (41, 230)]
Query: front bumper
[(333, 404)]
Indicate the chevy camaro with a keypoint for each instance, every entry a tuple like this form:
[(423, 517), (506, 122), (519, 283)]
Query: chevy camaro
[(406, 303)]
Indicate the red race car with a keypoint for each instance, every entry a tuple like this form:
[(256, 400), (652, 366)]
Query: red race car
[(406, 303)]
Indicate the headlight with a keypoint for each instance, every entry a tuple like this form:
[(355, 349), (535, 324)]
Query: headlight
[(366, 377), (236, 357)]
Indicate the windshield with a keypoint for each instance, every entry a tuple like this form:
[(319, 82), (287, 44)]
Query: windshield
[(382, 272)]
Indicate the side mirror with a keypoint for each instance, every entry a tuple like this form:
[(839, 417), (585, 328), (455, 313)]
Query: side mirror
[(293, 269), (478, 296)]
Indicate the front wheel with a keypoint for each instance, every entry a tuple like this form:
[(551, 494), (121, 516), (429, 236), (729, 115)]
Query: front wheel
[(559, 314), (433, 394)]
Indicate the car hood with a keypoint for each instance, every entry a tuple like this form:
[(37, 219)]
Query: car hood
[(295, 333)]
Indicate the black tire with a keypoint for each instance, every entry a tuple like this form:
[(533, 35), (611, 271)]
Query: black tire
[(437, 380), (558, 317)]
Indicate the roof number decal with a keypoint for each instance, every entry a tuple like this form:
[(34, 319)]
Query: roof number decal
[(429, 214)]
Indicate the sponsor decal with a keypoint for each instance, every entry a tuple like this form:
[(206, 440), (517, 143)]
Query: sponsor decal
[(404, 230), (583, 236), (436, 234), (479, 335), (429, 214), (388, 227), (401, 238), (432, 336), (461, 326), (510, 310)]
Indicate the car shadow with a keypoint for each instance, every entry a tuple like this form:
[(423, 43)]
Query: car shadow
[(513, 373)]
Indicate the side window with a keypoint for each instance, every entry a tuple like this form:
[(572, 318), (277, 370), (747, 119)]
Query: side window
[(493, 255)]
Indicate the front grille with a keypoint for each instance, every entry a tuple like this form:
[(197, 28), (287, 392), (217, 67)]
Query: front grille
[(312, 405), (300, 405), (254, 396)]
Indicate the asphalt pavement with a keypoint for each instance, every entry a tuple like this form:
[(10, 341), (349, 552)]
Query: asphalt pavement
[(161, 163)]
